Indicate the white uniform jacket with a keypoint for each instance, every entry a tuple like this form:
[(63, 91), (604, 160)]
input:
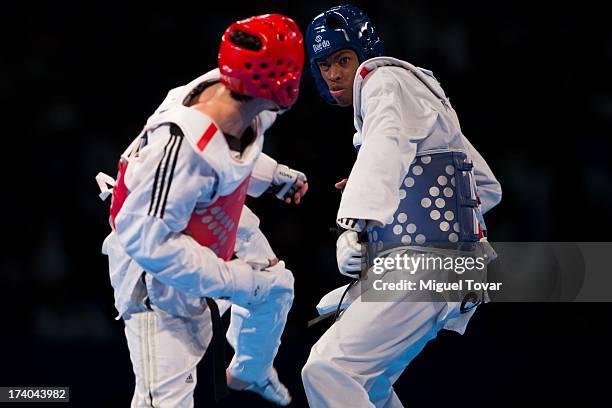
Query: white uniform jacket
[(401, 110), (172, 177)]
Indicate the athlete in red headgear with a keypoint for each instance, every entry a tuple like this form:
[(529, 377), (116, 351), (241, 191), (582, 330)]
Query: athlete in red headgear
[(271, 71), (181, 235)]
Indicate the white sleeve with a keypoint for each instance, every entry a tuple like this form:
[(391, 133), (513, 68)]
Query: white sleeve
[(394, 120), (488, 188), (165, 182), (251, 243), (262, 175)]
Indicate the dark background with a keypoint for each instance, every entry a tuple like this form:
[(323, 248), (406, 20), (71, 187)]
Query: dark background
[(530, 85)]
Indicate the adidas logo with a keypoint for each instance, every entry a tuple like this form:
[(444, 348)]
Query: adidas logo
[(189, 379)]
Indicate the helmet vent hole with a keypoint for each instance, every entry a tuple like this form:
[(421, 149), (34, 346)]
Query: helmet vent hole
[(263, 66), (271, 75), (279, 62), (334, 22), (281, 37), (289, 63), (245, 40), (264, 86), (255, 77), (248, 66), (283, 73)]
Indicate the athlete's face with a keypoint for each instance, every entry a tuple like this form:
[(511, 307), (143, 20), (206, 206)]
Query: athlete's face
[(338, 71)]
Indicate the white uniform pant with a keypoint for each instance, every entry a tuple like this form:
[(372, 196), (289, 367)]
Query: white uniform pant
[(165, 349), (355, 363)]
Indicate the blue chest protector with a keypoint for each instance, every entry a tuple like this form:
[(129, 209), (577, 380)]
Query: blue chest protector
[(438, 205)]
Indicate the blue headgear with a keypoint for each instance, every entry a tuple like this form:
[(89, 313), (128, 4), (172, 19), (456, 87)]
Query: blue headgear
[(337, 28)]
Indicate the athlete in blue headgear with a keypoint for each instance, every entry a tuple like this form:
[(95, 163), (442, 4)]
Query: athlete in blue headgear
[(417, 181)]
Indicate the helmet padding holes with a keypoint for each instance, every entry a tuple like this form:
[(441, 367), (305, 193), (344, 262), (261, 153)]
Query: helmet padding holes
[(245, 40), (255, 51), (333, 22)]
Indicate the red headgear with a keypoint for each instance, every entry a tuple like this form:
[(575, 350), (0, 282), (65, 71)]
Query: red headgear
[(271, 72)]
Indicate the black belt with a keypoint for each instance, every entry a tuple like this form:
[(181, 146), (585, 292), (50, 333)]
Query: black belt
[(147, 301), (335, 313), (218, 343)]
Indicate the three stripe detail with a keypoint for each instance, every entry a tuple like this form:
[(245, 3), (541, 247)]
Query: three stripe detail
[(165, 172)]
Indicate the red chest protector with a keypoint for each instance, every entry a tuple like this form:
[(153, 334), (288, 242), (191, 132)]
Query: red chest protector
[(214, 227), (120, 192)]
